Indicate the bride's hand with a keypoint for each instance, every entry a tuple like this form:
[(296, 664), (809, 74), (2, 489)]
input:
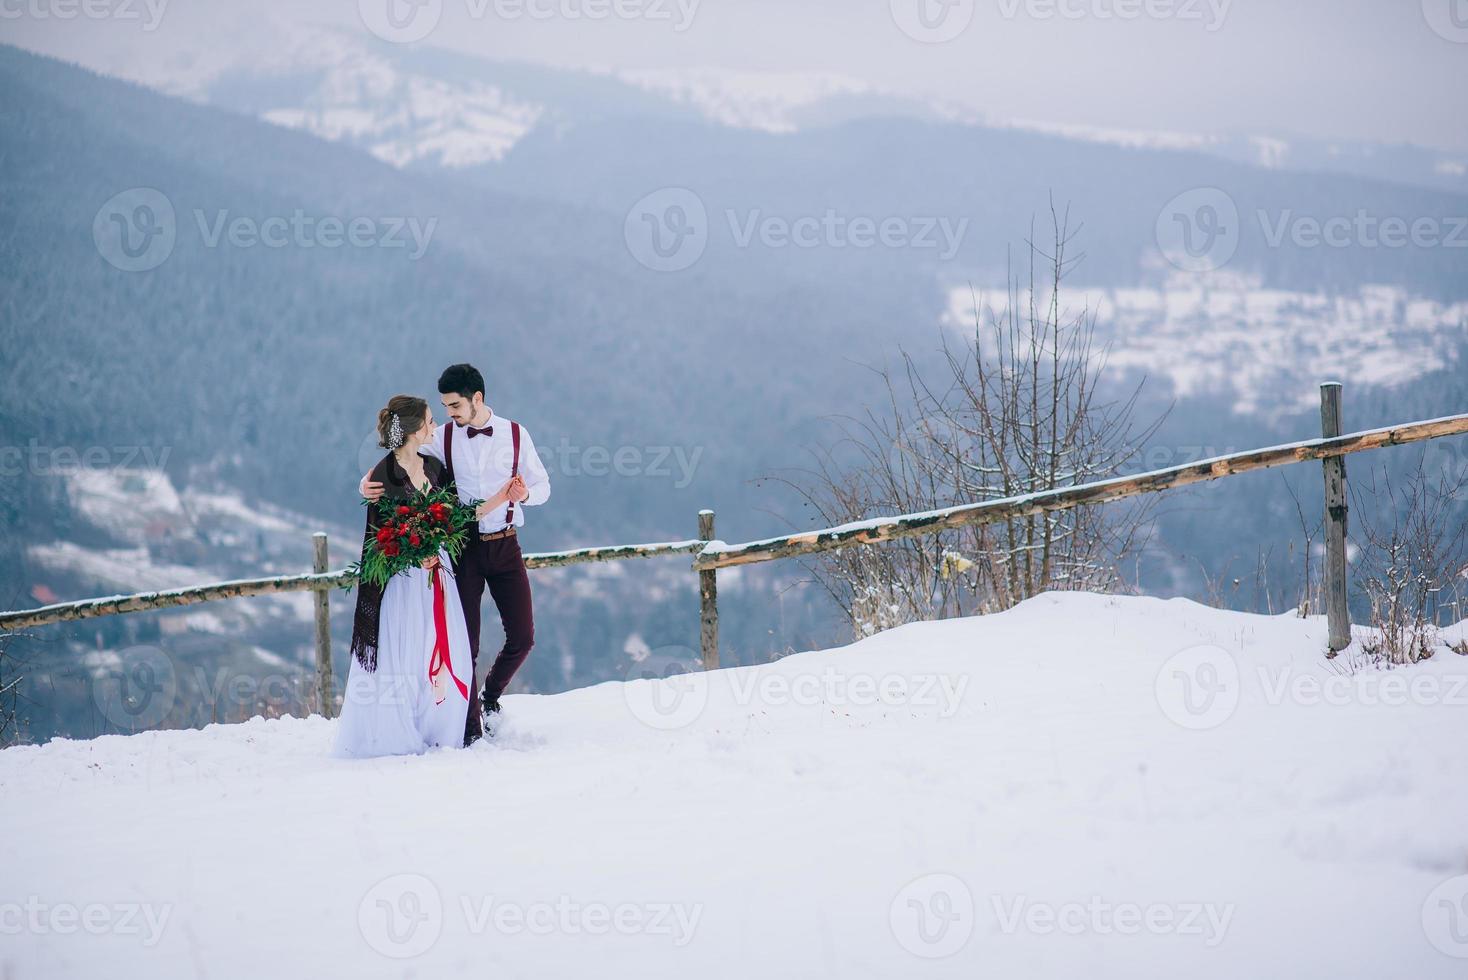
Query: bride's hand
[(430, 563), (490, 505)]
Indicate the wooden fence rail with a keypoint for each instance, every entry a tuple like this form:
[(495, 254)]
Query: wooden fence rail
[(65, 612), (721, 555), (710, 554)]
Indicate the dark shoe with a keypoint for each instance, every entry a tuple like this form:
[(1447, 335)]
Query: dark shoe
[(473, 725), (489, 715)]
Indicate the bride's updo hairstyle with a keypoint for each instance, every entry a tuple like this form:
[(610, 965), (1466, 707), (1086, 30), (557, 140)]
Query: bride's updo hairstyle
[(409, 412)]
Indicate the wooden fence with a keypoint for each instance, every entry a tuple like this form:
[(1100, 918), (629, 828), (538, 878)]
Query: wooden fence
[(711, 554)]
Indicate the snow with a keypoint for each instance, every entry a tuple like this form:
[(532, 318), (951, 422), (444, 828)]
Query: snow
[(123, 568), (1223, 332), (176, 538), (1041, 785), (404, 119), (124, 501), (1270, 153), (232, 509), (1149, 139), (765, 101)]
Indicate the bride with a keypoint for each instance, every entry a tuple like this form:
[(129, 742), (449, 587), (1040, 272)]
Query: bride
[(410, 677)]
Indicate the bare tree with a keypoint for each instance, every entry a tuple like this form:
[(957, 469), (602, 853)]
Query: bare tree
[(1414, 559), (1312, 591), (1018, 410)]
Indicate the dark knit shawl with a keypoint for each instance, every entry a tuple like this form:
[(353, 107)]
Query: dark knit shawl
[(394, 480)]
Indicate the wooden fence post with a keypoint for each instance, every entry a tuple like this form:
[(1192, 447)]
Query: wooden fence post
[(324, 679), (708, 599), (1338, 612)]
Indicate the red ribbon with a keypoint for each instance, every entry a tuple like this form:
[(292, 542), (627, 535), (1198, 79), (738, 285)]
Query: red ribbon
[(441, 659)]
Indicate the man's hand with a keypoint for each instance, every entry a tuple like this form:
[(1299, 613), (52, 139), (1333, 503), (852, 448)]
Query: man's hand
[(369, 491), (516, 489)]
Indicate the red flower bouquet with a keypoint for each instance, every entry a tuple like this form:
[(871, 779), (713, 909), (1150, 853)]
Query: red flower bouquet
[(412, 530)]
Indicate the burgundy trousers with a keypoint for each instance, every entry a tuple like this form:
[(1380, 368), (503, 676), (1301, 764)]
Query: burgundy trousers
[(499, 565)]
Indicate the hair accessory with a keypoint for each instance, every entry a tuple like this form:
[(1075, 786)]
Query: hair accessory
[(395, 432)]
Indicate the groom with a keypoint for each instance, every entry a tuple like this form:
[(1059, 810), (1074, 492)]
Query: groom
[(489, 458)]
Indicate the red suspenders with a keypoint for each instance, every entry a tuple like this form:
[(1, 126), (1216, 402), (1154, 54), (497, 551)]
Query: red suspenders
[(514, 468), (448, 449), (448, 460)]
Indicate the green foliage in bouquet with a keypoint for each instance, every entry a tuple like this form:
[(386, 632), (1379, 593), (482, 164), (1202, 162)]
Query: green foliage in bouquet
[(409, 531)]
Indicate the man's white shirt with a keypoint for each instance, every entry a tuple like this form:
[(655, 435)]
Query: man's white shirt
[(482, 465)]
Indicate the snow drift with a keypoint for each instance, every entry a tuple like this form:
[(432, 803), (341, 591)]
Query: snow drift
[(1083, 786)]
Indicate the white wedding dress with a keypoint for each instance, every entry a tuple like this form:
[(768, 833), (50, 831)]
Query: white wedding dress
[(395, 709)]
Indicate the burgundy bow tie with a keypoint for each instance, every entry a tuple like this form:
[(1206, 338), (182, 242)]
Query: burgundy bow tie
[(488, 430)]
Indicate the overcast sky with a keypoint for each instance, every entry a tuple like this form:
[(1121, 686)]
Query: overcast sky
[(1387, 70)]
